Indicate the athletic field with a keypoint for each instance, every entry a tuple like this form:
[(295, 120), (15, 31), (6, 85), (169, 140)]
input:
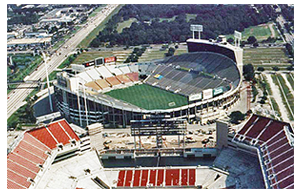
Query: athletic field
[(149, 97)]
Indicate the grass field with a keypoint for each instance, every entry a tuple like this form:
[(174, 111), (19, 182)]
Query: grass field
[(125, 24), (266, 57), (190, 16), (156, 53), (149, 97), (260, 32), (85, 43)]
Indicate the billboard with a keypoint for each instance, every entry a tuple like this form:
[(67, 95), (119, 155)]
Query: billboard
[(78, 68), (218, 90), (207, 94), (110, 59), (194, 97), (194, 27), (237, 34), (99, 61), (89, 63)]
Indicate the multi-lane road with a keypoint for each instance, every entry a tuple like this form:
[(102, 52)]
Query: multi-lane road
[(15, 99)]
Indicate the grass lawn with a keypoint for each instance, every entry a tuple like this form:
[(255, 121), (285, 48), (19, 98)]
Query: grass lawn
[(260, 32), (275, 80), (85, 43), (190, 16), (266, 57), (288, 94), (125, 24), (97, 10), (149, 97)]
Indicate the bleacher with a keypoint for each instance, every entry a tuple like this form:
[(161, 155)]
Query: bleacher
[(207, 62), (275, 142), (31, 153)]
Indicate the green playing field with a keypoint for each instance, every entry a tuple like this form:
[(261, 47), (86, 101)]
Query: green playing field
[(149, 97)]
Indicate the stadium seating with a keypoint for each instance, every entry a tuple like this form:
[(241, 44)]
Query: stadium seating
[(104, 72), (114, 70)]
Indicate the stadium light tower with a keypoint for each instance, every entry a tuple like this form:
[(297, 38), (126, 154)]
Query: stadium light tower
[(47, 78), (237, 38), (85, 100), (196, 28)]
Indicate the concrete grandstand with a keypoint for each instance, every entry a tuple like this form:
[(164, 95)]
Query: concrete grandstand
[(209, 80)]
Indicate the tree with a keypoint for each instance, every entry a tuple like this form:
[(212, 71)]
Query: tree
[(260, 68), (230, 40), (236, 117), (251, 40), (275, 68), (255, 44), (248, 72)]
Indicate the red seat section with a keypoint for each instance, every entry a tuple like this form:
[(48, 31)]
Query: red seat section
[(124, 79), (24, 162), (137, 176), (44, 136), (13, 185), (69, 130), (247, 125), (30, 156), (184, 174), (128, 178), (152, 177), (35, 142), (23, 171), (160, 177), (191, 177), (134, 76), (113, 81), (121, 176), (168, 177), (59, 133), (144, 178), (21, 180)]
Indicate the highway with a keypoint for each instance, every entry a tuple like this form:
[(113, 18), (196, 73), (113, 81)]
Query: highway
[(15, 99)]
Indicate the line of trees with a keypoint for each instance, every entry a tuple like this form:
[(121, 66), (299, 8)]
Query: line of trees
[(216, 19)]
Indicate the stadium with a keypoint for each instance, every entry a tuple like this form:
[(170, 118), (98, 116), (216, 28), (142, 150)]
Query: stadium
[(200, 86)]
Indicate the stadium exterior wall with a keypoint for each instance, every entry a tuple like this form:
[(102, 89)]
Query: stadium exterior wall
[(112, 115)]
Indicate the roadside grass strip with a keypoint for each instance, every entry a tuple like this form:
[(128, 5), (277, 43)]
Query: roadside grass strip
[(284, 97), (290, 79)]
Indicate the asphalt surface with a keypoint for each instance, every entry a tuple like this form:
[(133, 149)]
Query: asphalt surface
[(15, 99)]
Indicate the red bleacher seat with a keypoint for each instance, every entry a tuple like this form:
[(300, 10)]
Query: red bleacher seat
[(44, 136), (128, 178), (160, 177), (137, 176), (69, 130), (59, 133), (152, 177), (121, 176), (13, 185), (184, 174), (144, 178)]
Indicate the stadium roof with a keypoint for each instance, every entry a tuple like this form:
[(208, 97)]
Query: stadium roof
[(35, 151), (274, 141)]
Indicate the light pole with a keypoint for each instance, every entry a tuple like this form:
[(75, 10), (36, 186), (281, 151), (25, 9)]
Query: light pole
[(85, 100), (47, 78)]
